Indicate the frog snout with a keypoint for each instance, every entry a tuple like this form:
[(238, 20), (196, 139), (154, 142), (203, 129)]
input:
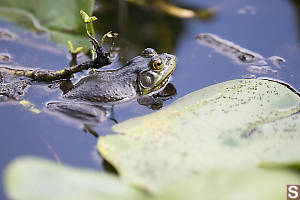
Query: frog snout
[(172, 58)]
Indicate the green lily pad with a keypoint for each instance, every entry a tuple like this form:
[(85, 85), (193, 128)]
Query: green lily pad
[(232, 125), (246, 184), (34, 179), (60, 18)]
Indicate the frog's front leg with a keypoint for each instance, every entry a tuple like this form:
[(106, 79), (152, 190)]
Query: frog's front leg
[(112, 115), (155, 101), (65, 86)]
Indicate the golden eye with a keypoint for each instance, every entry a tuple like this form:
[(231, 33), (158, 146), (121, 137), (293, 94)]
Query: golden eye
[(158, 64)]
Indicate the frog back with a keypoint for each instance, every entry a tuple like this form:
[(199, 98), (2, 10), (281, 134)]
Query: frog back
[(107, 86)]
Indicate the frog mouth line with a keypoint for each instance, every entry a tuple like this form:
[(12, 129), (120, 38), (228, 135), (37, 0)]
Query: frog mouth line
[(163, 82)]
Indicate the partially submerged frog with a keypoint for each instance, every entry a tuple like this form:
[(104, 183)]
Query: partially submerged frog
[(144, 76)]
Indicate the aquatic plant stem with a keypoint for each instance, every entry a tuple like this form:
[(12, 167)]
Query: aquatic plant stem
[(102, 59)]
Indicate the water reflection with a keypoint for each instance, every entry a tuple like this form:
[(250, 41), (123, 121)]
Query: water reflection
[(145, 24), (91, 114), (296, 4), (192, 11)]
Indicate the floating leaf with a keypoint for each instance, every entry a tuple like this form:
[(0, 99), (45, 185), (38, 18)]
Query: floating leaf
[(60, 18), (35, 179), (234, 184), (232, 125)]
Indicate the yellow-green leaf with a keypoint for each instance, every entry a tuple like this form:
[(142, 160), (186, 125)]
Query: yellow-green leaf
[(233, 184), (35, 179), (230, 125), (60, 18)]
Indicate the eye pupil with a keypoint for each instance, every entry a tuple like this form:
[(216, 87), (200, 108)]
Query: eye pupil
[(157, 64)]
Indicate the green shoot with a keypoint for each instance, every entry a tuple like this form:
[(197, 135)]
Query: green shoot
[(72, 50), (89, 27), (110, 34)]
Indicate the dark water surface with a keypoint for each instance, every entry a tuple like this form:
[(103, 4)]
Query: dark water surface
[(268, 28)]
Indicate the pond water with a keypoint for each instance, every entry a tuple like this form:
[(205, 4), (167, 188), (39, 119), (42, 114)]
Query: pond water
[(256, 27)]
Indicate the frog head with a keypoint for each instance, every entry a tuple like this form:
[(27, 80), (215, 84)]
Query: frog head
[(157, 74)]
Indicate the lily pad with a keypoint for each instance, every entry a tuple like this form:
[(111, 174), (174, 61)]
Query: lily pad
[(34, 179), (246, 184), (232, 125), (60, 18)]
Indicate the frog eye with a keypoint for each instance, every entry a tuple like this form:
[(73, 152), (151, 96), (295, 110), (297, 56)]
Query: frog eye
[(148, 53), (158, 64)]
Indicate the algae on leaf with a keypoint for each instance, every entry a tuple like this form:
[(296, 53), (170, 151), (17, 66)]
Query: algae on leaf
[(232, 125), (35, 179), (59, 18)]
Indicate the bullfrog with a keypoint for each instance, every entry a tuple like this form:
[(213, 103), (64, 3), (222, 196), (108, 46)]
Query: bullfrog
[(143, 77), (145, 74)]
